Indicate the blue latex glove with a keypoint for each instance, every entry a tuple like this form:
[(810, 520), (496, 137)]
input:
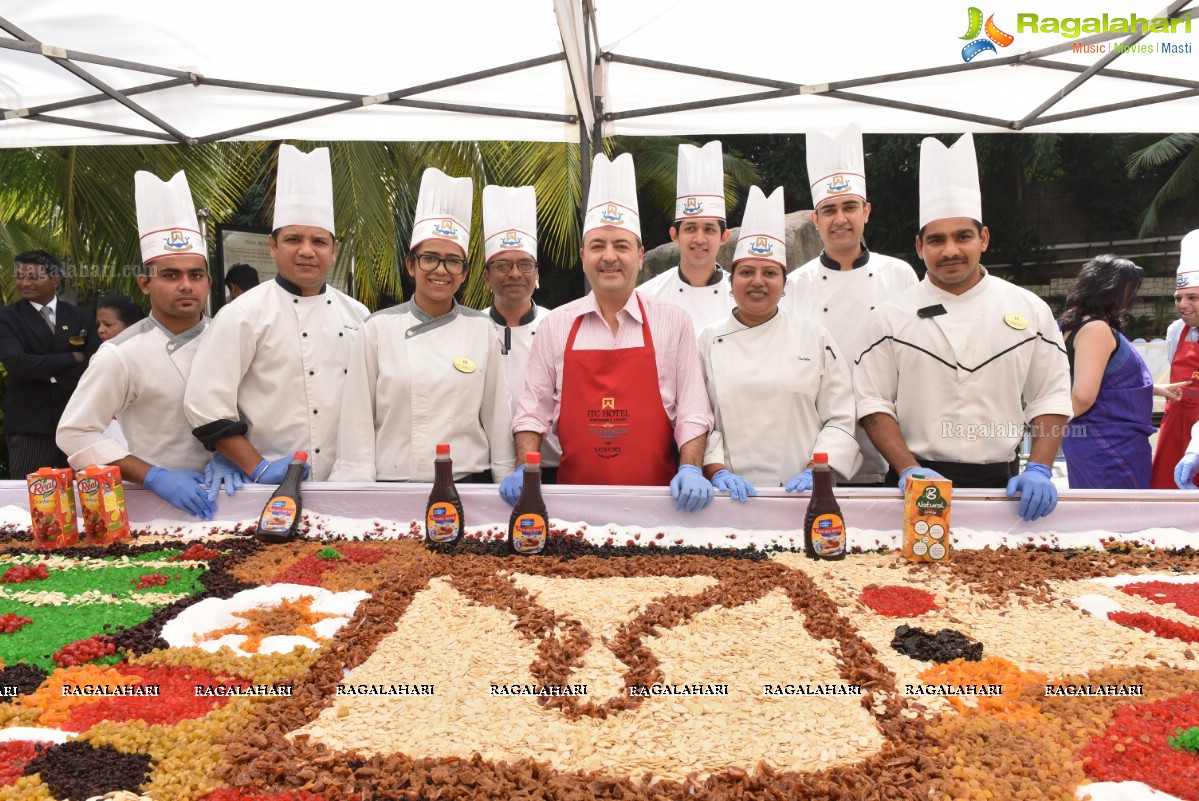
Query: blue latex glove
[(274, 472), (924, 471), (734, 485), (512, 484), (1038, 496), (801, 483), (221, 472), (1184, 472), (690, 490), (183, 489)]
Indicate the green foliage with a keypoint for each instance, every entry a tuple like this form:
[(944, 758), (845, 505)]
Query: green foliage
[(1181, 183)]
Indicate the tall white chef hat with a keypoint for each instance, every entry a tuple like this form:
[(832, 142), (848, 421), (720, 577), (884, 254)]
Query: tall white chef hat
[(304, 189), (509, 220), (443, 209), (700, 183), (836, 165), (763, 229), (166, 217), (1188, 261), (949, 181), (612, 199)]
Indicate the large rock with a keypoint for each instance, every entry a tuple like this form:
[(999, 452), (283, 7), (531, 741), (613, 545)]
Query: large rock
[(803, 245)]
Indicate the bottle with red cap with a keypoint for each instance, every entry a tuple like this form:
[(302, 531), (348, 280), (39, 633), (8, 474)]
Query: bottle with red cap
[(528, 528), (443, 513), (280, 520), (823, 528)]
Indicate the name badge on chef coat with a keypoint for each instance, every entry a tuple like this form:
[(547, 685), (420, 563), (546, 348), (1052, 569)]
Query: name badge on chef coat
[(464, 365), (1015, 321)]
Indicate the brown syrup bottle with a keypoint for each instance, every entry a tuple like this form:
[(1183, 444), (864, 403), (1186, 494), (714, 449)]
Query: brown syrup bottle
[(280, 519), (444, 522), (528, 528), (823, 528)]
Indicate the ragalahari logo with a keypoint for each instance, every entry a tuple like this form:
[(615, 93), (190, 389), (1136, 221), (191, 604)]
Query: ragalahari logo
[(993, 36)]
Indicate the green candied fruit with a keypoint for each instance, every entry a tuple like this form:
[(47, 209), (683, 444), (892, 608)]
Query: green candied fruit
[(1186, 740), (328, 553)]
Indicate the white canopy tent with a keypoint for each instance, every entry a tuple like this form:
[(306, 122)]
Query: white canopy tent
[(143, 71)]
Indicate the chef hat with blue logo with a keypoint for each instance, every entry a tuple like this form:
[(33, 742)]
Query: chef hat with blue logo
[(763, 229), (166, 217), (612, 198), (700, 183), (949, 181), (1188, 261), (509, 221), (304, 189), (836, 165), (443, 210)]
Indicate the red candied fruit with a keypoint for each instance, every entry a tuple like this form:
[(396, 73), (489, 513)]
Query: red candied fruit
[(1184, 596), (1157, 626), (363, 555), (176, 700), (11, 623), (196, 553), (19, 574), (149, 580), (13, 756), (238, 794), (307, 570), (1135, 747), (83, 651), (898, 601)]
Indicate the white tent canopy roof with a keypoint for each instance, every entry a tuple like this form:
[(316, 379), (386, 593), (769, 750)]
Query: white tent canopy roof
[(146, 71)]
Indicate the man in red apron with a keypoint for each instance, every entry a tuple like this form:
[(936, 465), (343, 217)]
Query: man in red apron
[(1183, 344), (616, 374)]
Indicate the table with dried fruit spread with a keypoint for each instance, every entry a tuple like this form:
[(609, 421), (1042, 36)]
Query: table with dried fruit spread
[(648, 654)]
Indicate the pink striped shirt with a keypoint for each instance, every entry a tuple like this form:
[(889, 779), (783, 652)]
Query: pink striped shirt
[(680, 372)]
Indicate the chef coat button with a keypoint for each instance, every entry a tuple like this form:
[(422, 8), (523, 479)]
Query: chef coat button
[(824, 278), (341, 333), (311, 373), (327, 303), (408, 333), (304, 334), (314, 411), (316, 450), (869, 275), (826, 308), (345, 370), (871, 308), (170, 347)]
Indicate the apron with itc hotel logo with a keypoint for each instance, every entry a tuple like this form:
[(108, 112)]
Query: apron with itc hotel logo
[(1175, 433), (612, 424)]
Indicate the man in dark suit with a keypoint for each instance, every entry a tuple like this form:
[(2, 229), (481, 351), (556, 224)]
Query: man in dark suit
[(44, 345)]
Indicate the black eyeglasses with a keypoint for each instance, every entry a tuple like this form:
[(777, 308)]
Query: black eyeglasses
[(454, 265), (504, 266)]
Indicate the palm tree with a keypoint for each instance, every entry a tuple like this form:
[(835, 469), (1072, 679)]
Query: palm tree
[(1182, 182)]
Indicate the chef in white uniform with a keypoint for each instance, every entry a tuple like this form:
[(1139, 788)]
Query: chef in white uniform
[(268, 379), (698, 284), (779, 385), (429, 370), (140, 376), (841, 286), (956, 366), (510, 272)]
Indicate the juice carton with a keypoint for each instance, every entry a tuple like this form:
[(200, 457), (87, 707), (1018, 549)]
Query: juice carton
[(52, 507), (102, 505), (926, 519)]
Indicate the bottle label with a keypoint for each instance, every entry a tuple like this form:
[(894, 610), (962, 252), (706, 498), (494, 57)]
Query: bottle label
[(828, 535), (528, 533), (442, 523), (279, 515)]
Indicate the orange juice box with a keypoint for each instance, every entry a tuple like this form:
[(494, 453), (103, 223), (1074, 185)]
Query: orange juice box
[(52, 507), (926, 519), (102, 505)]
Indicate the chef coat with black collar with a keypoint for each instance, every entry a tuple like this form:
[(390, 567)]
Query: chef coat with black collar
[(953, 369), (139, 377), (840, 301), (705, 304), (780, 392), (416, 381), (276, 361)]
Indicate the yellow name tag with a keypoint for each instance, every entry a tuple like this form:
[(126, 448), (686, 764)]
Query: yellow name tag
[(1015, 321), (464, 365)]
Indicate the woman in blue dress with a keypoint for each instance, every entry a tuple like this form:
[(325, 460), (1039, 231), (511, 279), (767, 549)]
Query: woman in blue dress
[(1107, 442)]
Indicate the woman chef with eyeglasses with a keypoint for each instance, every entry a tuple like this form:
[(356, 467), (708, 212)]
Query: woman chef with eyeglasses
[(428, 371)]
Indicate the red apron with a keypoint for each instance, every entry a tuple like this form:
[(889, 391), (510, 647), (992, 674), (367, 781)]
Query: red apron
[(1175, 433), (612, 424)]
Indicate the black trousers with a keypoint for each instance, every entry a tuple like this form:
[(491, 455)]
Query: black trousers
[(968, 476), (27, 453)]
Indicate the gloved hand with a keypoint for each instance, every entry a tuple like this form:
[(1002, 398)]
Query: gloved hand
[(274, 472), (222, 472), (800, 483), (1184, 471), (183, 489), (734, 485), (927, 472), (1038, 496), (512, 484), (690, 490)]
